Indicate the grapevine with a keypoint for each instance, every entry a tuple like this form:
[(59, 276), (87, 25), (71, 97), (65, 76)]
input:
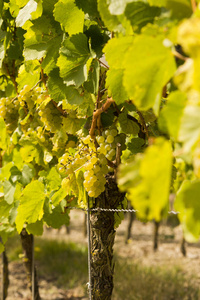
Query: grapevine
[(97, 109)]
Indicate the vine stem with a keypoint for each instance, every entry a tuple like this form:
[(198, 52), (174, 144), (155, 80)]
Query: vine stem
[(180, 56), (97, 113)]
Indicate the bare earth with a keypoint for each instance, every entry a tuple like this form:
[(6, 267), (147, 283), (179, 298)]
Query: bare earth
[(139, 249)]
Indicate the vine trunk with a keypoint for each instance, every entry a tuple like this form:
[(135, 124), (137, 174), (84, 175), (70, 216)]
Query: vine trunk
[(27, 246), (102, 241)]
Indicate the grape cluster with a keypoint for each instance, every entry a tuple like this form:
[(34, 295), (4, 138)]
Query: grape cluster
[(9, 112), (28, 97), (51, 117), (93, 157)]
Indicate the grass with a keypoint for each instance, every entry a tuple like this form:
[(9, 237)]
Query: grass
[(65, 264), (136, 282)]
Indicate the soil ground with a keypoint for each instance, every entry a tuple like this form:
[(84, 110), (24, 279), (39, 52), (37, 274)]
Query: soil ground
[(139, 249)]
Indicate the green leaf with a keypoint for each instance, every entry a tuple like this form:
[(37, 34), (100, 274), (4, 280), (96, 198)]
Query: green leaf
[(69, 16), (25, 13), (148, 67), (136, 145), (35, 228), (112, 22), (115, 49), (2, 49), (190, 127), (28, 74), (170, 117), (92, 83), (187, 203), (82, 198), (16, 174), (179, 8), (140, 13), (147, 180), (4, 208), (31, 204), (49, 61), (127, 125), (58, 196), (89, 7), (53, 179), (72, 125), (28, 172), (56, 86), (114, 83), (74, 55), (117, 7), (30, 153), (5, 171), (57, 218), (41, 37), (9, 191)]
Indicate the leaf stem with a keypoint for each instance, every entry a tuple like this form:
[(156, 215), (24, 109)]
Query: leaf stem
[(102, 64), (180, 56), (144, 126)]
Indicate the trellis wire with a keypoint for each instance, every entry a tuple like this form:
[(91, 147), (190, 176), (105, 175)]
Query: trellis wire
[(115, 209)]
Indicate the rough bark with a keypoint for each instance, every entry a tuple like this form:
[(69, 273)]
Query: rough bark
[(102, 241), (131, 217), (27, 246), (85, 226), (5, 276), (183, 247), (155, 238)]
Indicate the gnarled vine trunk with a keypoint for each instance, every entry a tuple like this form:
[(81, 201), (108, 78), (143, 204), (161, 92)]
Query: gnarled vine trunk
[(27, 246), (5, 276), (102, 241)]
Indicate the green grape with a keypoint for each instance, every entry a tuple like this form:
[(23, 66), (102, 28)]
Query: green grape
[(89, 165), (103, 160), (113, 132), (96, 168), (108, 147), (91, 194), (100, 139), (110, 139)]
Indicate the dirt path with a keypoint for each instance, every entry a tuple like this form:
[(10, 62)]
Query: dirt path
[(139, 249)]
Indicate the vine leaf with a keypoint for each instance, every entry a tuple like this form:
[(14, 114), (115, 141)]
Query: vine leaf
[(35, 228), (25, 13), (69, 16), (187, 203), (31, 204), (9, 191), (170, 116), (126, 125), (148, 67), (73, 58), (147, 180), (114, 52)]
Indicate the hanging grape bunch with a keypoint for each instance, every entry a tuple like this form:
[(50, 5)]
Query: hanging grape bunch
[(93, 156)]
